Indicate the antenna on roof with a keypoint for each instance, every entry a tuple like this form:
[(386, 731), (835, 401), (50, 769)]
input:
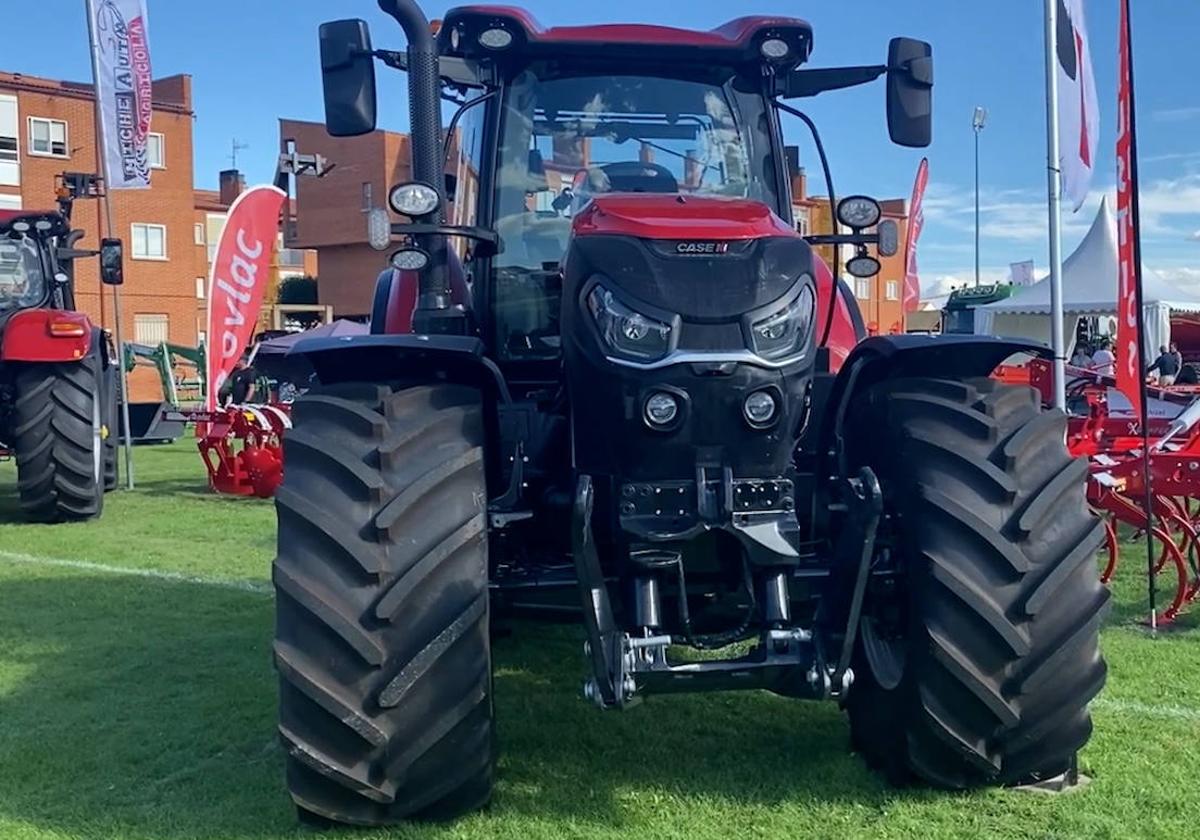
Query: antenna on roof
[(237, 147)]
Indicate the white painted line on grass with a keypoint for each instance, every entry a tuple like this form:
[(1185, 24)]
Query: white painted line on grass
[(152, 574), (1132, 708), (1129, 708)]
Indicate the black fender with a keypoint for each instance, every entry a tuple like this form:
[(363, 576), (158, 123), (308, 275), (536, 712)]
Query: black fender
[(887, 357), (416, 357), (387, 358)]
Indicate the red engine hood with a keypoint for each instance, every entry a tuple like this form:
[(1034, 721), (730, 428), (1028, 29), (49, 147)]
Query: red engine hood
[(656, 216)]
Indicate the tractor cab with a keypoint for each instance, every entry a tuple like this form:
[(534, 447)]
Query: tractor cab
[(28, 263), (635, 422)]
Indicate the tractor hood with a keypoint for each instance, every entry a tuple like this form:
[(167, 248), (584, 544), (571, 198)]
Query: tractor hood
[(679, 217), (705, 259)]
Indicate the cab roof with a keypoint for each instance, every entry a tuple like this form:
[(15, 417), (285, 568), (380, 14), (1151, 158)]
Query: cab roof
[(7, 217), (737, 41)]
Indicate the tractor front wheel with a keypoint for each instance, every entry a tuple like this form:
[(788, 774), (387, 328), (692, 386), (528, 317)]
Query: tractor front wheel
[(381, 583), (978, 651), (58, 440)]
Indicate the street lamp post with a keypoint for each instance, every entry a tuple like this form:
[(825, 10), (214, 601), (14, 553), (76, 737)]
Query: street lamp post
[(977, 122)]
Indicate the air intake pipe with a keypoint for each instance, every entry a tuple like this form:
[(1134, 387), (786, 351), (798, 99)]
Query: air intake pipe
[(425, 127)]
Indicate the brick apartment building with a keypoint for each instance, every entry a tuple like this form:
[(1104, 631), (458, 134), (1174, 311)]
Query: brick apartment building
[(879, 297), (331, 211), (211, 208), (47, 127)]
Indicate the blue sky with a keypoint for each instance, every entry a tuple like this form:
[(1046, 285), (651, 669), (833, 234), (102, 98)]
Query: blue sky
[(253, 61)]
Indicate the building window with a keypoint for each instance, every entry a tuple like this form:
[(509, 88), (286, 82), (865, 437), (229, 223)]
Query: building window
[(10, 159), (892, 289), (291, 258), (862, 288), (10, 202), (802, 224), (149, 242), (214, 226), (156, 151), (47, 137), (151, 329), (368, 197), (201, 286), (198, 233)]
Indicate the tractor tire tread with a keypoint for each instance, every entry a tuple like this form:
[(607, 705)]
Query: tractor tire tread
[(1003, 608), (54, 440), (382, 645)]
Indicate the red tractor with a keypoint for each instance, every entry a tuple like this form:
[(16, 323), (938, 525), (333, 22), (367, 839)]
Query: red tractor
[(58, 375), (655, 414)]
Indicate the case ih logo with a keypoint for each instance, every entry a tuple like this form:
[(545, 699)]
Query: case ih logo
[(701, 248)]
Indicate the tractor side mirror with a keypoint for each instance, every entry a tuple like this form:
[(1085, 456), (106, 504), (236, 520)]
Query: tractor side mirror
[(348, 78), (112, 271), (910, 92)]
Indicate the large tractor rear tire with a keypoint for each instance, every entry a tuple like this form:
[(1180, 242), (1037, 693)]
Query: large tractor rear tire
[(381, 582), (976, 663), (58, 421)]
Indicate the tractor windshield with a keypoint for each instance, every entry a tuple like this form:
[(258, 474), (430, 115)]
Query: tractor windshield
[(22, 281), (567, 139)]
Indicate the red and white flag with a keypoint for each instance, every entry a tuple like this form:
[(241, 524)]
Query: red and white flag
[(916, 221), (1129, 361), (1078, 110), (124, 88), (238, 280)]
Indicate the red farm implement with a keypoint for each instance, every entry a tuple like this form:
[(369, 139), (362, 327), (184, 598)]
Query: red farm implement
[(1111, 440), (241, 447)]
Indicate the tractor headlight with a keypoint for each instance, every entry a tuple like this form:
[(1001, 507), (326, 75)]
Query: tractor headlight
[(858, 211), (760, 409), (413, 199), (627, 332), (660, 410), (496, 38), (785, 332)]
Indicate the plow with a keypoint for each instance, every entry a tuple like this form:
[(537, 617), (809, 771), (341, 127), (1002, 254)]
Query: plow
[(240, 446)]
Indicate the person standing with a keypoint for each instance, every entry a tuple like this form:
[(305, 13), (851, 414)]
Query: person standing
[(1166, 365), (1081, 357), (1103, 360)]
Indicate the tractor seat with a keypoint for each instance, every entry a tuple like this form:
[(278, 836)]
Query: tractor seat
[(630, 176)]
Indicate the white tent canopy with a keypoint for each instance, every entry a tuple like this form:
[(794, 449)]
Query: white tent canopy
[(1089, 287)]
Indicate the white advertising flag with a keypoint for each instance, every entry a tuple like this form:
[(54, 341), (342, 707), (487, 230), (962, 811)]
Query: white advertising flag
[(1021, 273), (1078, 111), (121, 49)]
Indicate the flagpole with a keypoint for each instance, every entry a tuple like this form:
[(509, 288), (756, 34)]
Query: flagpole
[(1054, 186), (1136, 223), (102, 156)]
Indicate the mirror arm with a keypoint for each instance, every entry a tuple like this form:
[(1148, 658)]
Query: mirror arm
[(843, 239), (803, 83)]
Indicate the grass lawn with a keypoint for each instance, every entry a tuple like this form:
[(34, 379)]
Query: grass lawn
[(135, 706)]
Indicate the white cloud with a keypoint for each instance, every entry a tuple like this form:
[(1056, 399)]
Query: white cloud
[(1177, 114), (1185, 278)]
